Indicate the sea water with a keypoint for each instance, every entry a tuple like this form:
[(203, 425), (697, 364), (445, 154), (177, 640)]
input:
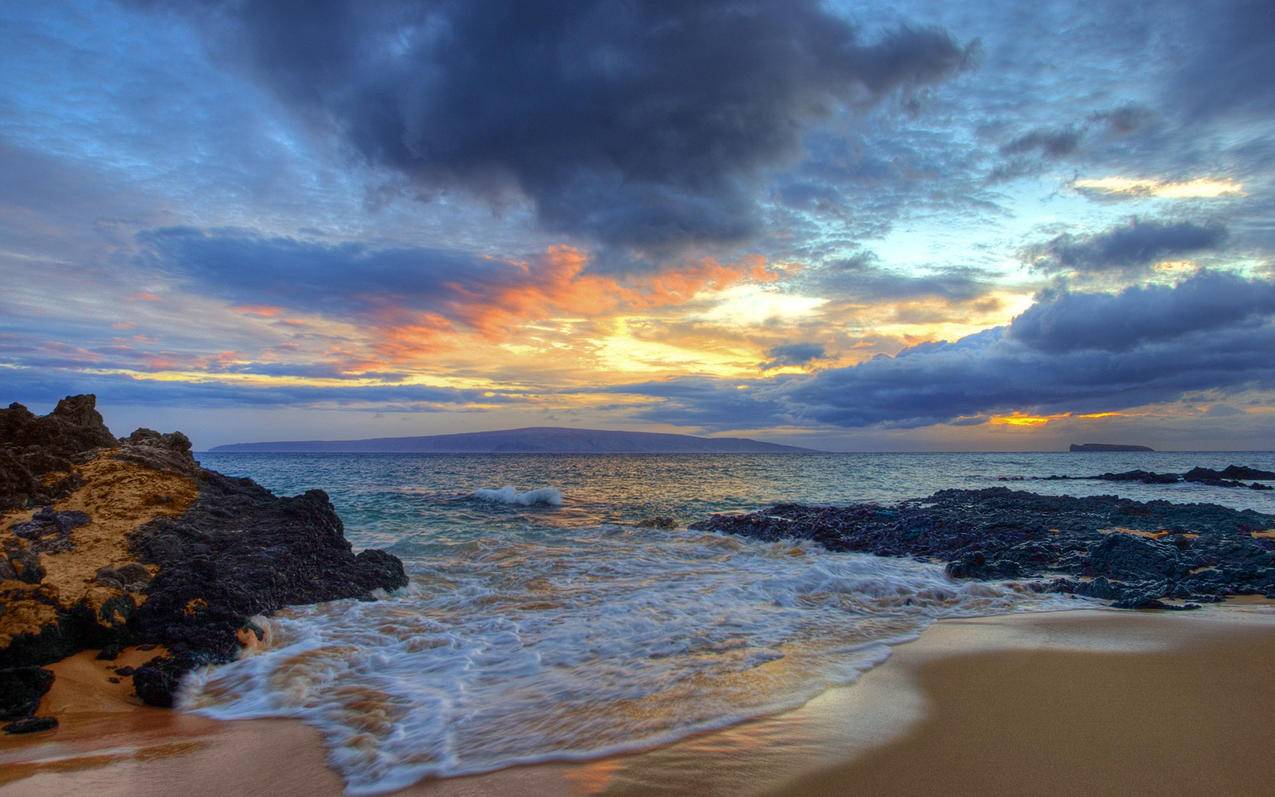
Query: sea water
[(543, 621)]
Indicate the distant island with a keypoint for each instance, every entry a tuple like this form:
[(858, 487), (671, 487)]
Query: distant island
[(1108, 447), (533, 440)]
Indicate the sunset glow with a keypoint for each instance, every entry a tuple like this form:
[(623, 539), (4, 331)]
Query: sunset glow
[(877, 249)]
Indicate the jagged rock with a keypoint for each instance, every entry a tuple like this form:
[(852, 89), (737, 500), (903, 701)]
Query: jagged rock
[(1209, 477), (222, 549), (976, 565), (1125, 557), (34, 447), (167, 452), (1245, 472), (1227, 477), (21, 689), (1130, 552), (50, 531), (1143, 476)]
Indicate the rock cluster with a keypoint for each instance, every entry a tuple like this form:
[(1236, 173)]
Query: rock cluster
[(1229, 476), (1136, 554), (34, 448), (108, 543)]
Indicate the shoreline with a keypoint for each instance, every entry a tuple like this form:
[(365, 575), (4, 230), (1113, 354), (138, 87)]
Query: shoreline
[(1102, 700)]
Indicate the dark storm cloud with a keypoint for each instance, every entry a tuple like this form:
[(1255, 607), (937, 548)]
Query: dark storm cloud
[(1213, 332), (336, 279), (794, 354), (1133, 245), (640, 124), (1067, 321)]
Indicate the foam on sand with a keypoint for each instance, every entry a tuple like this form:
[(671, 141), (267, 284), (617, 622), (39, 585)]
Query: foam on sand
[(584, 643)]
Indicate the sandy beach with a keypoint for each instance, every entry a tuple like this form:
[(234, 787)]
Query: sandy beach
[(1101, 702)]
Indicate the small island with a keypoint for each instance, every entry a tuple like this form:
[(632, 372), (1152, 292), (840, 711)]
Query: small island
[(1095, 447)]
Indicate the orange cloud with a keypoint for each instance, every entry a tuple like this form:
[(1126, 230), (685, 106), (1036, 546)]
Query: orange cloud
[(552, 285)]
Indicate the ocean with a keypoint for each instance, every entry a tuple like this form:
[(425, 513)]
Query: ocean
[(544, 622)]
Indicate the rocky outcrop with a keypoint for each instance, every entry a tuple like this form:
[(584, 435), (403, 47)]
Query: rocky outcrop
[(1227, 477), (21, 689), (1136, 554), (38, 453), (112, 542)]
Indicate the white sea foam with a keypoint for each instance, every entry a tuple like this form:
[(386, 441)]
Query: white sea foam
[(549, 496), (586, 642)]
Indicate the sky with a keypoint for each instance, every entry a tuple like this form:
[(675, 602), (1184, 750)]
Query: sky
[(922, 225)]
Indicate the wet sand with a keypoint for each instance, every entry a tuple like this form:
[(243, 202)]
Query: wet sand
[(1098, 702)]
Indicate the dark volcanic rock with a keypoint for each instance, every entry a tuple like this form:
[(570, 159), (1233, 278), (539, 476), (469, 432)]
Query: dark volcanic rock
[(1143, 476), (226, 549), (1245, 472), (240, 551), (1134, 553), (1227, 477), (20, 691), (49, 531), (32, 447), (1210, 477)]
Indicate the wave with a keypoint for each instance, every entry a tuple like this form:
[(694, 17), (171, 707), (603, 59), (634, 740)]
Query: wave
[(508, 650), (549, 496)]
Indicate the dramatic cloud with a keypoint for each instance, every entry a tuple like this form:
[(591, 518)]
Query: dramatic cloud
[(338, 206), (1212, 332), (1134, 245), (634, 123), (1066, 321), (415, 294)]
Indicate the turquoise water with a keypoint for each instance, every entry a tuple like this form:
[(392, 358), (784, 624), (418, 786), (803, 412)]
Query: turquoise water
[(559, 628), (386, 498)]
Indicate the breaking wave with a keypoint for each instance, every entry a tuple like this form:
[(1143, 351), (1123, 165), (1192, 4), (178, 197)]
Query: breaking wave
[(510, 649), (548, 496)]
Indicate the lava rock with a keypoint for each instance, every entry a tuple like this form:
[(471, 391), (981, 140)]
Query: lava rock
[(35, 448), (1126, 557), (32, 725), (238, 551), (1245, 472), (48, 531), (1142, 476), (21, 689), (241, 551), (1078, 545)]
